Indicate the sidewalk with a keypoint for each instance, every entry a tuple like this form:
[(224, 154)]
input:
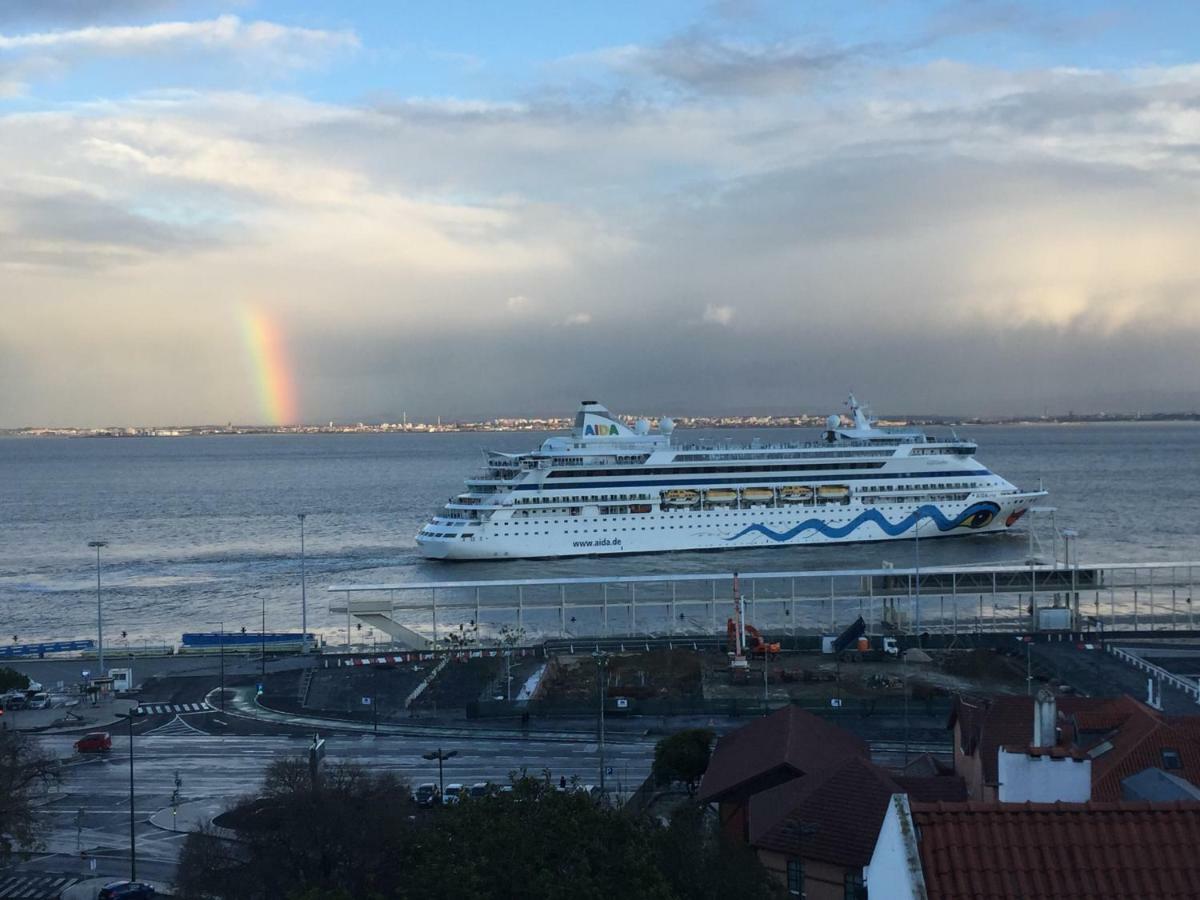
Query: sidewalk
[(192, 814), (244, 704), (64, 719)]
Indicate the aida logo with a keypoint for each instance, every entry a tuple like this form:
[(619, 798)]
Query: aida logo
[(601, 430)]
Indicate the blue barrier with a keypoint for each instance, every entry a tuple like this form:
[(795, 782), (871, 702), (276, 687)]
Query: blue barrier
[(237, 639), (42, 649)]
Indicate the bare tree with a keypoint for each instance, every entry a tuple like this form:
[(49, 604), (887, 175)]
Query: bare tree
[(26, 774)]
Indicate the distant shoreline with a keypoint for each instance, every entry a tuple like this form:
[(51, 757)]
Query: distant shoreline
[(543, 426)]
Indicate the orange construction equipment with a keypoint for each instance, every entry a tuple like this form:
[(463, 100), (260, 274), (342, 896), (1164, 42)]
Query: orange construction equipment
[(755, 645)]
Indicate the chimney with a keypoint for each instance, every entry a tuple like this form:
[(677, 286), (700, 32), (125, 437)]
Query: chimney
[(1045, 719)]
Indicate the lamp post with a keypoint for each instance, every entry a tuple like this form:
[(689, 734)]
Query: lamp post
[(601, 659), (129, 717), (303, 594), (441, 758), (99, 610), (917, 560), (262, 636)]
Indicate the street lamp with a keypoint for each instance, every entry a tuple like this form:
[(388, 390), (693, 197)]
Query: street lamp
[(99, 611), (601, 659), (303, 594), (129, 717), (262, 637), (441, 758), (222, 667)]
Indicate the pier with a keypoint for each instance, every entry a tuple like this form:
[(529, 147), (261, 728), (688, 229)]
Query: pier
[(948, 600)]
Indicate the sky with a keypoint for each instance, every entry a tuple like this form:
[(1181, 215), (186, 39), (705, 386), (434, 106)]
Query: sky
[(267, 211)]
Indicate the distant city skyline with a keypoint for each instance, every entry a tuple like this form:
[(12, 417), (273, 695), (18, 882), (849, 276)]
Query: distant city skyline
[(281, 211)]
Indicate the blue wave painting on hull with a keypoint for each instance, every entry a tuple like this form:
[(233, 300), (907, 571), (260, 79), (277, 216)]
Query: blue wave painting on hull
[(977, 515)]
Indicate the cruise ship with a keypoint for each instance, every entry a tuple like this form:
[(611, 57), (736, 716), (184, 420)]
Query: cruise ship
[(608, 488)]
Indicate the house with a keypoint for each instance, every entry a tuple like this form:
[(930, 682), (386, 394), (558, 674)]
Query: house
[(806, 796), (816, 833), (965, 851), (766, 753), (1113, 737)]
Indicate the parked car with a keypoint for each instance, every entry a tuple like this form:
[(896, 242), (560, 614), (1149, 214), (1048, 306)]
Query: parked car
[(40, 700), (94, 742), (15, 701), (126, 890), (426, 794), (454, 793), (480, 789)]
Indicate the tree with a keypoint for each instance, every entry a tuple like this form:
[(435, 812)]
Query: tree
[(537, 843), (301, 840), (26, 773), (700, 863), (683, 756), (11, 679)]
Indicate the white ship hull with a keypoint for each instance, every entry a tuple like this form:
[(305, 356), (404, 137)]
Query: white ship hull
[(730, 529)]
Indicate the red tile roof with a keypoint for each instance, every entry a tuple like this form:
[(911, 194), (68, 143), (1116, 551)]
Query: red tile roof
[(972, 851), (775, 749)]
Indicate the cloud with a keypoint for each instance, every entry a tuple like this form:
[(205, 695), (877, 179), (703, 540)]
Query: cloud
[(57, 12), (949, 236), (281, 44), (718, 315), (704, 63)]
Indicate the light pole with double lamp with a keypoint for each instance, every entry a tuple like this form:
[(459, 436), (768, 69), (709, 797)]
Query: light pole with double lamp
[(441, 758), (601, 659), (99, 610)]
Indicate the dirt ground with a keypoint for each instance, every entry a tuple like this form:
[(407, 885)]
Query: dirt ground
[(644, 675), (679, 674), (814, 676)]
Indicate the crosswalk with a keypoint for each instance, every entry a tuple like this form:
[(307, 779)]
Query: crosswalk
[(33, 887), (175, 727), (159, 709)]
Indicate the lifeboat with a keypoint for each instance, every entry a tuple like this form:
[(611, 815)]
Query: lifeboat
[(833, 492), (720, 496), (680, 497), (758, 495), (797, 493)]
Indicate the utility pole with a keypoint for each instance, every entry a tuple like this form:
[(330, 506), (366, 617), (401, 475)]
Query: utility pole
[(99, 610), (262, 635), (303, 593)]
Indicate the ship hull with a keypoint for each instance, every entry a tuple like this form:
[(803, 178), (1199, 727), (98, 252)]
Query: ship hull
[(785, 525)]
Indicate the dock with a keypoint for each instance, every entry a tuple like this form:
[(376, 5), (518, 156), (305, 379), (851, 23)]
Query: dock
[(1135, 597)]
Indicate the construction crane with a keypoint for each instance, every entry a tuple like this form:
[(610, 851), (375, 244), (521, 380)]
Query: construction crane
[(744, 640)]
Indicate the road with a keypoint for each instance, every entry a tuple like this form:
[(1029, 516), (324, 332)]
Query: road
[(227, 766)]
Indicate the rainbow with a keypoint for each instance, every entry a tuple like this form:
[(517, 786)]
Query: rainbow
[(276, 386)]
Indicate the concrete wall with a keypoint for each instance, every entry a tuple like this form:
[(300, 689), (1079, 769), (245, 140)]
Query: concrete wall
[(1040, 779), (895, 868)]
